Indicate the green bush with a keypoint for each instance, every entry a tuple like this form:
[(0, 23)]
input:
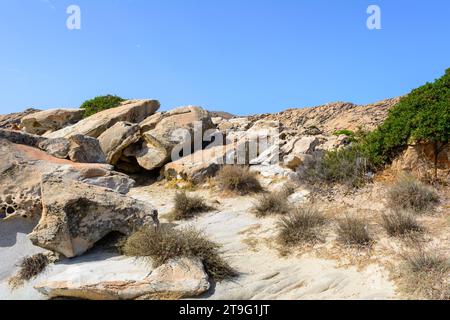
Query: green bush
[(421, 116), (99, 104), (164, 243), (348, 166)]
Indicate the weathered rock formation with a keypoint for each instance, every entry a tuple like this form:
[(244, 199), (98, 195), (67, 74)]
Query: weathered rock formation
[(76, 215), (12, 121), (50, 120), (133, 111)]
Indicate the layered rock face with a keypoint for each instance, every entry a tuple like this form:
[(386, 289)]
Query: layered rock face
[(50, 120)]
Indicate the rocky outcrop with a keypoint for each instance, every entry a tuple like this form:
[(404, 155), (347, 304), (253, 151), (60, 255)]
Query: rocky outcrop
[(21, 169), (133, 111), (76, 215), (418, 160), (50, 120), (162, 132), (21, 137), (117, 138), (12, 121), (176, 279)]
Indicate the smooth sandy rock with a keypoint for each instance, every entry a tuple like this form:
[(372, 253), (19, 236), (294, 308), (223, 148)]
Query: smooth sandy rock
[(76, 215), (85, 149), (133, 111), (114, 140), (50, 120), (118, 280)]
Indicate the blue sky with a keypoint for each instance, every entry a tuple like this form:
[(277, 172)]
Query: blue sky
[(241, 56)]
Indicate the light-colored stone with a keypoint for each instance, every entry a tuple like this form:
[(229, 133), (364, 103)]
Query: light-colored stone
[(19, 137), (50, 120), (133, 111), (77, 215), (163, 132), (12, 121), (114, 140), (176, 279), (58, 147)]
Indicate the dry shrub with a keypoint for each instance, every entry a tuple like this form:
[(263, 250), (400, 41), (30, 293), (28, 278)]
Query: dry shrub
[(426, 274), (272, 203), (238, 179), (302, 226), (29, 268), (186, 207), (164, 243), (409, 194), (401, 223), (354, 232)]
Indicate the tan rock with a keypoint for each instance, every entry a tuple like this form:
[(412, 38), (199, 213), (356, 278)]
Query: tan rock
[(50, 120), (133, 111), (12, 121), (178, 278), (163, 132), (76, 215), (114, 140), (21, 169)]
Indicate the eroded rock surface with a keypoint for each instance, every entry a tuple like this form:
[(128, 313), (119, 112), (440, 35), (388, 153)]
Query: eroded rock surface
[(76, 215), (50, 120)]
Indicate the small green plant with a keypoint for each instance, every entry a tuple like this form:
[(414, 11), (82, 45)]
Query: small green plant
[(238, 179), (164, 243), (186, 207), (354, 232), (272, 203), (301, 226), (100, 103), (401, 223), (409, 194), (426, 274), (29, 268)]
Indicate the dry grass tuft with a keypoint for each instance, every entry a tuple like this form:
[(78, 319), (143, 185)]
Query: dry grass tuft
[(164, 243), (238, 179), (30, 267), (302, 226), (271, 204), (409, 194), (401, 223), (426, 274), (354, 232), (186, 207)]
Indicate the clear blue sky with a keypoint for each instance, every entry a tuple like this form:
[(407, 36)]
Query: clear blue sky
[(241, 56)]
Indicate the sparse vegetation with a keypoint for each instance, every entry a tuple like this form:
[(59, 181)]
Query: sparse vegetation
[(238, 179), (99, 104), (272, 203), (347, 166), (354, 232), (421, 116), (401, 223), (186, 207), (164, 243), (29, 268), (301, 226), (410, 194), (426, 274)]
